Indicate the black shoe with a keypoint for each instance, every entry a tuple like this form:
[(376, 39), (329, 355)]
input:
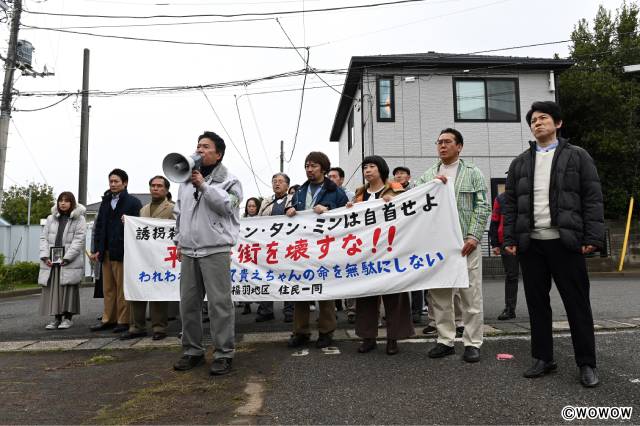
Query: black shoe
[(471, 354), (507, 314), (540, 368), (441, 350), (247, 309), (263, 318), (459, 331), (430, 331), (392, 347), (297, 340), (127, 335), (120, 328), (367, 345), (220, 366), (158, 335), (101, 326), (187, 362), (288, 318), (324, 340), (589, 376)]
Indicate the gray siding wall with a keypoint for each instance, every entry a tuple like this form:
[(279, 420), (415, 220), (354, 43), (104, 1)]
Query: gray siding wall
[(424, 107)]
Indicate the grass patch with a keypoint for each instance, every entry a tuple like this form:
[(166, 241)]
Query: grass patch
[(100, 360), (155, 402)]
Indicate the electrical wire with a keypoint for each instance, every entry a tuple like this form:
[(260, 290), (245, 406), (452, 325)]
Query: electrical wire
[(227, 15), (161, 24), (229, 137), (46, 107), (246, 146), (155, 40), (295, 138), (302, 57), (255, 122), (26, 145)]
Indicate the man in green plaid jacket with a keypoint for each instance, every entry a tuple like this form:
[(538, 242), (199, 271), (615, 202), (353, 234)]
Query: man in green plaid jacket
[(473, 211)]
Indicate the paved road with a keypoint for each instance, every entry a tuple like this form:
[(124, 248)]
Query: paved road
[(612, 298), (270, 385)]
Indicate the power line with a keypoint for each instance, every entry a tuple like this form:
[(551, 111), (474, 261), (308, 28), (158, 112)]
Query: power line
[(161, 24), (255, 122), (295, 138), (227, 15), (46, 107), (306, 62), (229, 137), (33, 158), (246, 146), (155, 40)]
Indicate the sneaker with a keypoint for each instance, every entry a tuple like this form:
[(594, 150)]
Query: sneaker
[(66, 323), (430, 331), (220, 366), (187, 362), (324, 340), (53, 325)]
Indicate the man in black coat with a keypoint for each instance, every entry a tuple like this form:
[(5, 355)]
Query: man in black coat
[(553, 217), (109, 249)]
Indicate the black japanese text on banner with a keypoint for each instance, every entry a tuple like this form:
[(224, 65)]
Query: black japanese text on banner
[(412, 242)]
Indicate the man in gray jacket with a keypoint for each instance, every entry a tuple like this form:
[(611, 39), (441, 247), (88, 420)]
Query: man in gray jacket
[(207, 226)]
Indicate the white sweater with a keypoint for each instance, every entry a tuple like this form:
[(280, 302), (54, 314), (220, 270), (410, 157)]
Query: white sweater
[(542, 229)]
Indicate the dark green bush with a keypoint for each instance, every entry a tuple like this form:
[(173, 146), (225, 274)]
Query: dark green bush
[(19, 272)]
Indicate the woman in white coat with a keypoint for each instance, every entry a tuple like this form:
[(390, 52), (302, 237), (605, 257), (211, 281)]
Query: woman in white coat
[(65, 227)]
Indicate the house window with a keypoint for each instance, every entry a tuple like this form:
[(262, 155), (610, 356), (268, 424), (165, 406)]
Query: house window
[(386, 102), (486, 100), (351, 135)]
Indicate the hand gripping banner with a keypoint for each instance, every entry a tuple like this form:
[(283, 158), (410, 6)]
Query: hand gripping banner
[(412, 242)]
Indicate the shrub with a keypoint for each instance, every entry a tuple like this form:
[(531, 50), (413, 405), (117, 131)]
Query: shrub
[(20, 272)]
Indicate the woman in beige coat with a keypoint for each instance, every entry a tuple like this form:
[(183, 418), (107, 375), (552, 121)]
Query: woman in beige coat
[(65, 227)]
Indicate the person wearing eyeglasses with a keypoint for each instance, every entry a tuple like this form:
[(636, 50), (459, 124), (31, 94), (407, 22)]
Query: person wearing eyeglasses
[(473, 211), (207, 227)]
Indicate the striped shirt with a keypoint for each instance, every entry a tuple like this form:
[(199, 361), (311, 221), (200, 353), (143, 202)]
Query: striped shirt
[(471, 197)]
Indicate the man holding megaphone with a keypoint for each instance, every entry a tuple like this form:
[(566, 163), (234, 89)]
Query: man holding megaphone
[(207, 226)]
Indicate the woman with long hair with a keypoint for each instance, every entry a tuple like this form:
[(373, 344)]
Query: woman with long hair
[(62, 247)]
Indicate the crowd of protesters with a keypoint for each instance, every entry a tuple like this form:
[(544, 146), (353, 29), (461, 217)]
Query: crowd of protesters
[(548, 217)]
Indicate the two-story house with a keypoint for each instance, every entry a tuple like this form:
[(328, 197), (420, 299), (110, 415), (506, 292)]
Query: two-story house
[(395, 106)]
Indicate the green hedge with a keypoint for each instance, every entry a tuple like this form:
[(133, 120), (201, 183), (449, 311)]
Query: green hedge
[(19, 272)]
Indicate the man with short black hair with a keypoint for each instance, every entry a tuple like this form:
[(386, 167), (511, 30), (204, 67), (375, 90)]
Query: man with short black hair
[(109, 249), (320, 194), (207, 227), (159, 208), (336, 174), (554, 215), (473, 211), (276, 205)]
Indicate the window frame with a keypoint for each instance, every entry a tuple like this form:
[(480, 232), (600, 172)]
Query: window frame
[(392, 79), (350, 130), (516, 82)]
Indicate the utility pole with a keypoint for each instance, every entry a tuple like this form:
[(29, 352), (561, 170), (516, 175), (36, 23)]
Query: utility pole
[(84, 132), (281, 156), (7, 89)]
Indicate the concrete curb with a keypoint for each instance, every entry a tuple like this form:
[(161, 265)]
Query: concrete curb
[(506, 330)]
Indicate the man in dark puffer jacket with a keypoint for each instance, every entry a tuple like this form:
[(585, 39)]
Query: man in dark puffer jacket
[(553, 216)]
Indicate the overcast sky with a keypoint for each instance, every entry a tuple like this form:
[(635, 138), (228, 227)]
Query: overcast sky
[(135, 132)]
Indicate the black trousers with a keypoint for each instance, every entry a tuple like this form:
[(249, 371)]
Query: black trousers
[(546, 259), (510, 265), (417, 302)]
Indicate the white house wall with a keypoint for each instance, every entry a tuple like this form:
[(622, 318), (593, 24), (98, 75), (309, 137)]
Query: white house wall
[(424, 107)]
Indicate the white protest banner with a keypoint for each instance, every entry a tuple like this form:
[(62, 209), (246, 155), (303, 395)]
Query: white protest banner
[(411, 243)]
